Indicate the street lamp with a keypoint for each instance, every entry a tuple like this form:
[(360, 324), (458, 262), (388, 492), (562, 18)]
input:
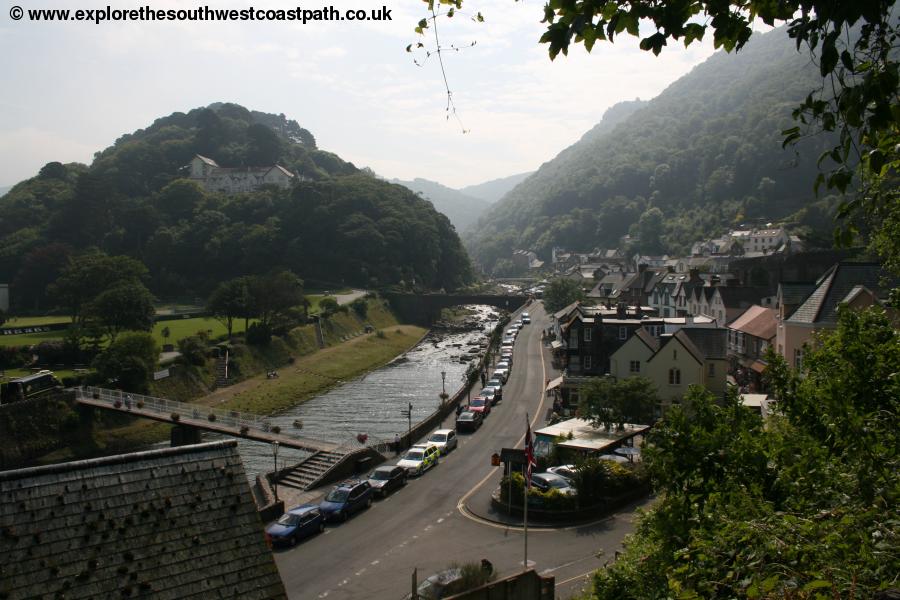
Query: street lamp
[(275, 473), (443, 384)]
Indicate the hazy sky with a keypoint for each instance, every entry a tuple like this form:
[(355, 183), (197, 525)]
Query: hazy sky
[(71, 88)]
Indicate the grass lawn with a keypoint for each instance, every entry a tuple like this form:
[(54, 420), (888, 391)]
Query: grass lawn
[(32, 321), (182, 328), (314, 300)]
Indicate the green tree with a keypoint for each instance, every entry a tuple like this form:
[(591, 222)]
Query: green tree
[(649, 230), (230, 300), (127, 306), (560, 293), (85, 276), (612, 404), (275, 293), (129, 361)]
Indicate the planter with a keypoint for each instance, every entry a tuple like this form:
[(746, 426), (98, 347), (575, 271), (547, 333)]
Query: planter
[(117, 404), (276, 429), (211, 417), (244, 430), (579, 515), (140, 404), (175, 417)]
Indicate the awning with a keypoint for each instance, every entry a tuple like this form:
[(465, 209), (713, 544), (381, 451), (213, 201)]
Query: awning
[(758, 366), (555, 345), (554, 384)]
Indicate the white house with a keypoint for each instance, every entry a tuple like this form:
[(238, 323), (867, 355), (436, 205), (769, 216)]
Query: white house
[(237, 180)]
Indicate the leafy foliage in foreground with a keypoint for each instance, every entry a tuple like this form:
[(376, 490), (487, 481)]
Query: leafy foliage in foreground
[(805, 507)]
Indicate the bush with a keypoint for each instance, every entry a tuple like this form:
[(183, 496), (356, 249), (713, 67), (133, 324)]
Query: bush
[(193, 350), (360, 307), (598, 479), (259, 334), (13, 357), (551, 500)]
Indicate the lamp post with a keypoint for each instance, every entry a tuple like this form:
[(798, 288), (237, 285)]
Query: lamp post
[(443, 385), (275, 473)]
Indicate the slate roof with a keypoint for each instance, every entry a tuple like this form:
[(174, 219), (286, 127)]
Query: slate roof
[(164, 524), (736, 297), (648, 339), (795, 292), (757, 321), (820, 307), (711, 343)]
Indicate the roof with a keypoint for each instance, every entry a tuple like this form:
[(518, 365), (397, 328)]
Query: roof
[(705, 343), (795, 292), (207, 160), (565, 311), (757, 321), (168, 523), (587, 437), (832, 288), (283, 170), (648, 339), (738, 296)]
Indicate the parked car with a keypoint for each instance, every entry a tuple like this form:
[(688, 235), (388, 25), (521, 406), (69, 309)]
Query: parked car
[(440, 585), (502, 374), (345, 499), (512, 332), (507, 355), (488, 394), (444, 439), (567, 472), (548, 481), (386, 479), (419, 459), (525, 318), (296, 524), (480, 405), (469, 421), (503, 364)]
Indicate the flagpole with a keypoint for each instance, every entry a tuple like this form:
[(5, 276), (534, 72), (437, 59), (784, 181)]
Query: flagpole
[(528, 458)]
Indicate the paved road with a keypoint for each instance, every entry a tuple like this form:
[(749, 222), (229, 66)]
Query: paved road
[(350, 296), (427, 526)]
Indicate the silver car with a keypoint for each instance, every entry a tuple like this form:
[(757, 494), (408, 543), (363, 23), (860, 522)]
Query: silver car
[(444, 439)]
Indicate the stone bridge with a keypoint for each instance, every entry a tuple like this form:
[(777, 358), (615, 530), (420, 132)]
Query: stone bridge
[(425, 309)]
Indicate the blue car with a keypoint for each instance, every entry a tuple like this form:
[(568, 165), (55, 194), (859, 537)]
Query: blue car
[(345, 499), (297, 523)]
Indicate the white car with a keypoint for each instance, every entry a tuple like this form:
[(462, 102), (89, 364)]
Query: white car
[(567, 472), (501, 374), (420, 458), (444, 440), (512, 333)]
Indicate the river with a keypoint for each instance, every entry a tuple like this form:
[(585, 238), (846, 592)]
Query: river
[(373, 403)]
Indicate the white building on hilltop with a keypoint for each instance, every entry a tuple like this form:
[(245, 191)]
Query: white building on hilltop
[(236, 180)]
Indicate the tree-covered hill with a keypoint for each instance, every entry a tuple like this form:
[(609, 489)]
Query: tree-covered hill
[(491, 191), (706, 152), (462, 210), (337, 224)]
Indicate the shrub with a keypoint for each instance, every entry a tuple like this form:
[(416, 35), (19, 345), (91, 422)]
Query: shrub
[(193, 350), (380, 334), (360, 307), (259, 334)]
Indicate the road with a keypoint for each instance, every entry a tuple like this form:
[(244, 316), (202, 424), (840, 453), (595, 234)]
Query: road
[(427, 524)]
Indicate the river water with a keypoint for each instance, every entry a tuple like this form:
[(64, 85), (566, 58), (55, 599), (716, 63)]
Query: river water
[(373, 403)]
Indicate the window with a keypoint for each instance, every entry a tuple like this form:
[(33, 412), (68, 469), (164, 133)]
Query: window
[(587, 334), (712, 369), (674, 376), (573, 338), (587, 362), (798, 358), (634, 366), (623, 333), (674, 354)]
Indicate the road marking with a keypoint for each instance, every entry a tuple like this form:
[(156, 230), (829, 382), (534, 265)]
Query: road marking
[(360, 572), (441, 520), (577, 577), (374, 562)]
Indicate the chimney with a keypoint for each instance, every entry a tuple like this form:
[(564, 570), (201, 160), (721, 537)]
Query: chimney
[(621, 310), (642, 267), (694, 274), (670, 268)]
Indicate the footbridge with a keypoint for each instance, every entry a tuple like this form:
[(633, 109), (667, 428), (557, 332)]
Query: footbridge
[(425, 309), (218, 420)]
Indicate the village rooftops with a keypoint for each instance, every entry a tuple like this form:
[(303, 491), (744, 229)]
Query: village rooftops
[(757, 321), (835, 287)]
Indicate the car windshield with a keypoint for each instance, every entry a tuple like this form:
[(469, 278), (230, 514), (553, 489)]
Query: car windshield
[(438, 437), (466, 416), (337, 495), (494, 383), (477, 402), (557, 483), (414, 455), (486, 392), (289, 519), (380, 475)]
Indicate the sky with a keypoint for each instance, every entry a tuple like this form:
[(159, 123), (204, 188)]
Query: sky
[(72, 88)]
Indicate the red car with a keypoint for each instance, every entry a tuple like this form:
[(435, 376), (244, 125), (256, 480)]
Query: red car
[(480, 404)]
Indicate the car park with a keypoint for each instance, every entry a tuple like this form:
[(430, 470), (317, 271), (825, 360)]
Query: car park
[(548, 481), (444, 439), (296, 524), (469, 421), (345, 499), (419, 459), (386, 479), (481, 405), (567, 472)]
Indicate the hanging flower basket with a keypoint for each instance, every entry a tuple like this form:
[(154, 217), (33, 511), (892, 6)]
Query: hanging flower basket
[(276, 429), (175, 417), (211, 417), (362, 437), (244, 430), (117, 404), (443, 395)]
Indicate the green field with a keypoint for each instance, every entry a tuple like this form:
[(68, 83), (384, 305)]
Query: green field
[(32, 321)]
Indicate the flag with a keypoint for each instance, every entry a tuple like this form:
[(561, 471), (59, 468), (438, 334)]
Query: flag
[(529, 454)]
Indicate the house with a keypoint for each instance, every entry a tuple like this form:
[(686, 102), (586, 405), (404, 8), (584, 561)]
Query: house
[(607, 289), (684, 291), (690, 356), (168, 523), (630, 360), (749, 336), (238, 180), (760, 240), (729, 301), (526, 260), (857, 285)]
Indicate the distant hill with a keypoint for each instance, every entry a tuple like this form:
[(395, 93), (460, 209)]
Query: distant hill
[(337, 223), (463, 210), (706, 153), (491, 191), (4, 189)]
